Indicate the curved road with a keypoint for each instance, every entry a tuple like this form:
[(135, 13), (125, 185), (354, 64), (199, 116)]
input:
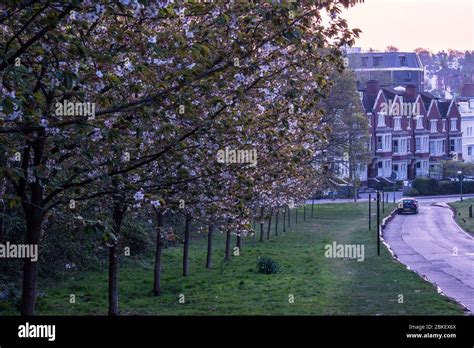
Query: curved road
[(433, 245)]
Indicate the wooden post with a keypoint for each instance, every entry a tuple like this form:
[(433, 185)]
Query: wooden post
[(276, 221), (370, 211), (378, 222)]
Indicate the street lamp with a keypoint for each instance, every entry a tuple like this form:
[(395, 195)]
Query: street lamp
[(460, 179)]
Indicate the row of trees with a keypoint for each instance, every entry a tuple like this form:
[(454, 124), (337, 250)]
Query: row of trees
[(171, 84)]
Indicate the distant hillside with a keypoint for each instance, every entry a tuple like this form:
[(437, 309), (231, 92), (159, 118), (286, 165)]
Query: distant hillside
[(447, 71)]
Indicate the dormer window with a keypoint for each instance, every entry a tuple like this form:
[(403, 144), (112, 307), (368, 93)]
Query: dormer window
[(380, 119), (377, 61), (419, 122), (365, 61), (434, 126), (403, 60), (444, 125)]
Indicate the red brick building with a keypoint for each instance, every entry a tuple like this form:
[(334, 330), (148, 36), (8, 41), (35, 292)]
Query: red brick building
[(410, 131)]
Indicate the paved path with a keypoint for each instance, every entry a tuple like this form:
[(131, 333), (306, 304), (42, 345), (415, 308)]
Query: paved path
[(364, 197), (428, 243)]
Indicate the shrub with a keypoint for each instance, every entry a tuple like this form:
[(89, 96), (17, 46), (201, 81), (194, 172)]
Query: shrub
[(426, 186), (420, 184), (267, 265), (446, 187), (413, 192)]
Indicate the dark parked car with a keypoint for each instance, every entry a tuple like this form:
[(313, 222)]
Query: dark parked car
[(407, 205)]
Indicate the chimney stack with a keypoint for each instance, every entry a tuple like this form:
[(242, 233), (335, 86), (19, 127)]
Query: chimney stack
[(410, 92), (372, 87)]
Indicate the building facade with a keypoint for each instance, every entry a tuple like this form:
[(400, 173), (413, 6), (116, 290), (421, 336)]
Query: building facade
[(465, 104), (410, 132), (391, 69)]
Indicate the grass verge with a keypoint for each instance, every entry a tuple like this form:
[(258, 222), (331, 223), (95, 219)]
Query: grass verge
[(318, 285), (461, 210)]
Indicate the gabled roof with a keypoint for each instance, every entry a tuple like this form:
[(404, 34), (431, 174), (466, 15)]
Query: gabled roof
[(433, 106), (427, 97), (443, 107), (368, 102)]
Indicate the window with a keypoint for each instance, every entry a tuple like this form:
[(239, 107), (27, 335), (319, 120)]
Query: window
[(469, 131), (408, 145), (397, 123), (404, 145), (419, 122), (417, 144), (444, 125), (395, 146), (377, 61), (452, 145), (395, 167), (439, 147), (471, 103), (434, 126), (379, 143), (388, 142), (418, 165), (381, 119), (454, 122), (424, 145), (408, 77), (432, 148), (469, 150), (380, 164), (403, 60), (364, 61)]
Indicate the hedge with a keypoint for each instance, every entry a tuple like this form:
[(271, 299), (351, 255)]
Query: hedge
[(428, 186)]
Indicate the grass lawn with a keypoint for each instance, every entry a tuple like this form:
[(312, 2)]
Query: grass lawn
[(320, 285), (462, 214)]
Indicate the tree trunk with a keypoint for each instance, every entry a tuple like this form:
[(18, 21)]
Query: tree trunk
[(284, 219), (158, 253), (209, 245), (254, 218), (3, 207), (30, 270), (187, 229), (312, 208), (296, 216), (34, 219), (118, 214), (289, 217), (261, 223), (238, 243), (276, 221), (113, 281), (227, 242), (304, 211), (269, 223)]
